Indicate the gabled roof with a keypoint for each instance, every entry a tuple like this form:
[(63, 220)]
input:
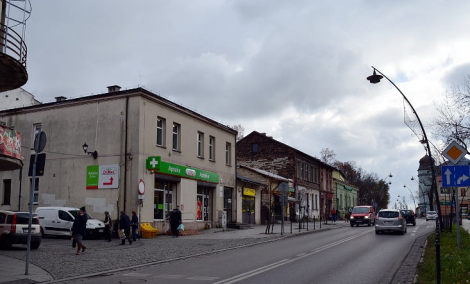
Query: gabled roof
[(289, 147)]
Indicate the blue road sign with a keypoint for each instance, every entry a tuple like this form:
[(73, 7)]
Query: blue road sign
[(455, 176)]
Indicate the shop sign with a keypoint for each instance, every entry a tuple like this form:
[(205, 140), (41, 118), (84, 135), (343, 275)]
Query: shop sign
[(157, 165), (10, 142), (102, 176), (249, 191)]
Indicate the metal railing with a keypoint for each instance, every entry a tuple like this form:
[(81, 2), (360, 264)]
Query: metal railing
[(12, 44)]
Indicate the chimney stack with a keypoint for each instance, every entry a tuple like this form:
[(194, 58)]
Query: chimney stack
[(114, 88)]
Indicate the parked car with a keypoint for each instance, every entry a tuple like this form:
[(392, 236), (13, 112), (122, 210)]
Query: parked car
[(390, 220), (59, 220), (409, 216), (362, 215), (431, 215), (14, 229)]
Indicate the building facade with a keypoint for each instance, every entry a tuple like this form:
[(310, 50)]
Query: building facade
[(123, 151), (311, 178), (346, 194)]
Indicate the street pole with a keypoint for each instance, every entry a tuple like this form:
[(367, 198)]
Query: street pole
[(374, 79)]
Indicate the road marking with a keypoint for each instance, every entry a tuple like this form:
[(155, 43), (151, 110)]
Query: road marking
[(206, 278), (134, 274), (268, 267), (167, 276)]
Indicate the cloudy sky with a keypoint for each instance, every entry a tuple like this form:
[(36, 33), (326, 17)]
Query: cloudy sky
[(295, 70)]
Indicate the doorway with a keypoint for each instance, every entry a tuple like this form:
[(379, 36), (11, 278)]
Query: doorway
[(248, 209)]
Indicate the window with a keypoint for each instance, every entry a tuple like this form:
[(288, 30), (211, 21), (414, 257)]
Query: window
[(211, 148), (6, 192), (200, 145), (161, 132), (228, 154), (176, 136), (36, 190), (254, 148)]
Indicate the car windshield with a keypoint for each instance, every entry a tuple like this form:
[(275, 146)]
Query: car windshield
[(75, 213), (388, 214), (360, 210), (406, 212), (431, 213)]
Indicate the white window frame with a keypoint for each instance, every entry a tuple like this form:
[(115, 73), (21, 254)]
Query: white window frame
[(200, 144), (228, 154), (161, 123), (176, 136), (211, 148)]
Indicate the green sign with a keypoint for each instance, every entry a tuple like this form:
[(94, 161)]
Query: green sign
[(92, 176), (157, 165)]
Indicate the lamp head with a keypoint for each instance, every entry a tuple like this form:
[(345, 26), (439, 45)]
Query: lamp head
[(85, 147), (374, 78)]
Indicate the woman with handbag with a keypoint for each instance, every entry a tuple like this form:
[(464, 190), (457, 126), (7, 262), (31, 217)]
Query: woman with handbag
[(175, 221)]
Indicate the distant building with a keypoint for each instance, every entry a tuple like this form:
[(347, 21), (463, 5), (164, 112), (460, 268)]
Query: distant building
[(16, 98), (312, 179)]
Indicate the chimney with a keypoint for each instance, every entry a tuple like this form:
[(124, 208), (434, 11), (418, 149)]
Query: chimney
[(60, 99), (114, 88)]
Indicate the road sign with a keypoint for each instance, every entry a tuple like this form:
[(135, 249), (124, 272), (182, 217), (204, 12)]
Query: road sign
[(454, 152), (455, 176)]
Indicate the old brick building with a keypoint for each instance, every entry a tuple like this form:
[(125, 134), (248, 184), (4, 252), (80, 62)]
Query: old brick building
[(312, 179)]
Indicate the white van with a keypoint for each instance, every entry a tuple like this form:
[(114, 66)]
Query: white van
[(59, 220)]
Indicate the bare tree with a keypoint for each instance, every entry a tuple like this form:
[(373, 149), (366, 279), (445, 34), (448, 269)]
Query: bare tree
[(328, 156), (453, 115), (241, 130)]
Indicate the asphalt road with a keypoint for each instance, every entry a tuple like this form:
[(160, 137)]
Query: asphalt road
[(344, 255)]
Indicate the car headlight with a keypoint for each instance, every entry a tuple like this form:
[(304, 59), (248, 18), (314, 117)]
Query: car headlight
[(366, 217)]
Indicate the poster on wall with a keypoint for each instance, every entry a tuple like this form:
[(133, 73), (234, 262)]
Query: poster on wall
[(102, 176)]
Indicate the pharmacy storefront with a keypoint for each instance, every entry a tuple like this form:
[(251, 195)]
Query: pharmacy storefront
[(194, 191)]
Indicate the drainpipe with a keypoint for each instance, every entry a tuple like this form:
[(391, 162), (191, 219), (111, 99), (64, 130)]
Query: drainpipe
[(125, 153)]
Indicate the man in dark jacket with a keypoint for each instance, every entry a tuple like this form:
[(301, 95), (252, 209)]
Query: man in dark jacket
[(79, 229), (125, 223), (175, 220), (108, 225)]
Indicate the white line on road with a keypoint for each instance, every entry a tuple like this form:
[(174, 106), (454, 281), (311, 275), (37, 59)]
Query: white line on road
[(263, 269)]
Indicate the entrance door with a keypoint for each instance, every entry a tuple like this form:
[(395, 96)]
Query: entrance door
[(248, 209), (228, 203)]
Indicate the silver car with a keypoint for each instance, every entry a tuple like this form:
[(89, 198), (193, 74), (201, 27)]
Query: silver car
[(390, 220), (431, 215)]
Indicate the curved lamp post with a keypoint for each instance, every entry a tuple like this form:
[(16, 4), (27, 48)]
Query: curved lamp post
[(374, 79), (412, 196)]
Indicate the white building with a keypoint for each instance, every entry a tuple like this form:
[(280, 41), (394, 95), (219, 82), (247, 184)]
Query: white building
[(134, 138)]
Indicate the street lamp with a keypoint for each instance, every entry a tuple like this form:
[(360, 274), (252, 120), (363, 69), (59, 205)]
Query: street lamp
[(412, 196), (379, 199), (374, 79)]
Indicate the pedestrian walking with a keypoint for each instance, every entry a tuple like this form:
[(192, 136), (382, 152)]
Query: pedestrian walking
[(134, 225), (175, 221), (108, 225), (79, 230), (333, 214), (125, 223)]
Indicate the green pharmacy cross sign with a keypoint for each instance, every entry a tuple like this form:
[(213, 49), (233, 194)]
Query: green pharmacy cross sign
[(157, 165)]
